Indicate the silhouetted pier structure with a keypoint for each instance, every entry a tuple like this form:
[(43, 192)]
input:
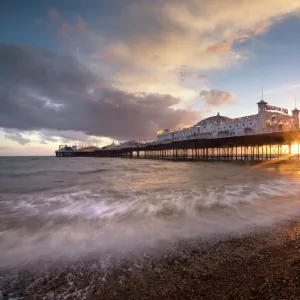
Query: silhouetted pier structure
[(255, 147)]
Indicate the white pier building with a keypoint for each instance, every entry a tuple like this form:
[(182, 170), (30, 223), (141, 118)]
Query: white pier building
[(268, 119)]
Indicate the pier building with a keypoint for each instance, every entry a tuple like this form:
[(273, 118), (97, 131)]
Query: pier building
[(268, 119)]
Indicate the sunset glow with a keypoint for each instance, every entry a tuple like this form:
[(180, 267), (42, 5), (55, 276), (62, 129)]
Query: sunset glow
[(149, 149), (189, 59)]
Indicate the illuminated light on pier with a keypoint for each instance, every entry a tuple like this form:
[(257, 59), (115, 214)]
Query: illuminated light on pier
[(295, 148)]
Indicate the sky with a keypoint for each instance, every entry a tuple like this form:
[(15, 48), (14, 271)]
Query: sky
[(92, 72)]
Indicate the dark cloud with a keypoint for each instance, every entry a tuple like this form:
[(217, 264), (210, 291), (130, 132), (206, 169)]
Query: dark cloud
[(40, 89), (69, 137), (16, 136), (43, 142), (217, 97)]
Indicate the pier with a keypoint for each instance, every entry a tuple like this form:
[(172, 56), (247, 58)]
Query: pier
[(271, 134), (256, 147)]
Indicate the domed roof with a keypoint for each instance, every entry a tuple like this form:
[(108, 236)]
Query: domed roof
[(215, 120)]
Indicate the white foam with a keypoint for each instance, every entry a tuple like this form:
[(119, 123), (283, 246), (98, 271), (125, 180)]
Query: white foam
[(78, 223)]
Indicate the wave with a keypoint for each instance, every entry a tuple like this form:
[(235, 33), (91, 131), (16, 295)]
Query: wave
[(94, 171), (122, 220)]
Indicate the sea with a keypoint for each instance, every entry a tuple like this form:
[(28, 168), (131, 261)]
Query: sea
[(82, 214)]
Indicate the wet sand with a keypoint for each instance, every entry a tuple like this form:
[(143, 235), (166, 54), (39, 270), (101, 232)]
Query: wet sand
[(264, 265)]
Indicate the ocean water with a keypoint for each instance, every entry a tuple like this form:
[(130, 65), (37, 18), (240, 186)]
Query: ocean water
[(64, 210)]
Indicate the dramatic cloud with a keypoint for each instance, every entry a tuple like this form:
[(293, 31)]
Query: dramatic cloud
[(66, 29), (217, 97), (40, 89), (72, 137), (154, 40)]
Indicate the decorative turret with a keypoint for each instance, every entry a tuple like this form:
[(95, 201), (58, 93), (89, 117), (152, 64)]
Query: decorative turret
[(295, 113), (262, 102), (262, 112)]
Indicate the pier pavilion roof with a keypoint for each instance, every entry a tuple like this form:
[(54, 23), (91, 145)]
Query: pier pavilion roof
[(214, 120)]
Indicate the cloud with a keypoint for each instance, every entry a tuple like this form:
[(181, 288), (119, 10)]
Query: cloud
[(16, 136), (284, 88), (5, 148), (65, 29), (202, 76), (227, 45), (185, 75), (154, 41), (71, 136), (40, 89), (217, 97)]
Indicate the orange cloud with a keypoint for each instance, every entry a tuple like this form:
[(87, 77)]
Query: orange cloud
[(217, 97), (155, 41), (221, 47), (227, 45), (64, 28), (262, 28)]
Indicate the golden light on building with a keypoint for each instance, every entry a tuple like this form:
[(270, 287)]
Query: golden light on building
[(295, 148)]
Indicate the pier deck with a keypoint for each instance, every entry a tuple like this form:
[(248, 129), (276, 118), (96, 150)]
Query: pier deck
[(256, 147)]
